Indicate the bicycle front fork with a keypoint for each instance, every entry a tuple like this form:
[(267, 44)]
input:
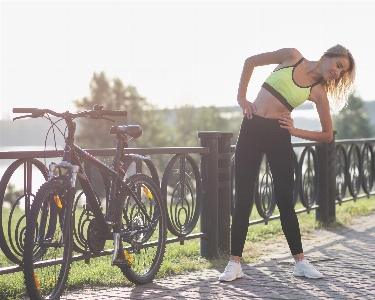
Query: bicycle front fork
[(72, 169)]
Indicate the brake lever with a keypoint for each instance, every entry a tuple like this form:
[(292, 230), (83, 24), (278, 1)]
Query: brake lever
[(22, 117)]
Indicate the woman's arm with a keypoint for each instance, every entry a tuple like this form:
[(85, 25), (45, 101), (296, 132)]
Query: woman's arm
[(282, 56), (322, 106)]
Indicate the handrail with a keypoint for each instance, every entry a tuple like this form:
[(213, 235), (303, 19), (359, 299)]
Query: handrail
[(103, 152)]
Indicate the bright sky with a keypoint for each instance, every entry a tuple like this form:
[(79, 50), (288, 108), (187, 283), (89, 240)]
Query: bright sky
[(174, 52)]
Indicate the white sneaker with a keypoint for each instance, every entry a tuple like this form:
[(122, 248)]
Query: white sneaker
[(304, 268), (232, 271)]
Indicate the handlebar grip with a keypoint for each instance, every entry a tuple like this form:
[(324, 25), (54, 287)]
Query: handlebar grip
[(23, 110), (122, 113)]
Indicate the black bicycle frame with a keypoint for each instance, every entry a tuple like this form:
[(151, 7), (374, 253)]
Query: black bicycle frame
[(72, 157)]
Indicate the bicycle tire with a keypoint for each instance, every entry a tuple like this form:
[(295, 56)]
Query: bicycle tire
[(146, 251), (47, 278), (11, 246)]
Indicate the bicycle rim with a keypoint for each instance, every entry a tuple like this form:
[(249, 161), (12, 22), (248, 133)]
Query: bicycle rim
[(146, 250), (46, 259)]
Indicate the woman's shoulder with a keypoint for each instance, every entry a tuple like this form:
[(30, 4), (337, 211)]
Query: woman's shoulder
[(318, 94), (294, 53), (281, 57), (290, 56)]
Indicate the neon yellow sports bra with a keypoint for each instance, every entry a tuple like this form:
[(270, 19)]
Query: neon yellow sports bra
[(280, 84)]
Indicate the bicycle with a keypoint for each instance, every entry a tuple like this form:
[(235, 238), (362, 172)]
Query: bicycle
[(135, 214)]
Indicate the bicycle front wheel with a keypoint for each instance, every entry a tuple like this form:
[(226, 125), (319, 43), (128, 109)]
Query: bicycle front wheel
[(144, 215), (47, 252)]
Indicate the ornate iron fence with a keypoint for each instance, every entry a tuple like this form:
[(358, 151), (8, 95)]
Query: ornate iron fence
[(197, 187), (180, 183)]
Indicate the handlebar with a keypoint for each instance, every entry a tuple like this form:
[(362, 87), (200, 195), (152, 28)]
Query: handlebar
[(23, 110), (95, 114)]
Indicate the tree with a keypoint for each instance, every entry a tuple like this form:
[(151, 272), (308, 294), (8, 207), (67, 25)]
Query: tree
[(11, 194), (353, 121), (189, 120), (114, 95), (185, 127)]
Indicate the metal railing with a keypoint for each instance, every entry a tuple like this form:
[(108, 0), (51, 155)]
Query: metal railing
[(201, 189)]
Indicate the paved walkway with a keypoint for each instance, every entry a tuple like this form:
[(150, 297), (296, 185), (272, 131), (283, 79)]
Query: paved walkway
[(345, 255)]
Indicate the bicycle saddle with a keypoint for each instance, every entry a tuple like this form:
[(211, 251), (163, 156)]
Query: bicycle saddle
[(134, 131)]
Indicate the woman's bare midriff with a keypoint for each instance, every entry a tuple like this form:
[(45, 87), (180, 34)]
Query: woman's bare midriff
[(268, 106)]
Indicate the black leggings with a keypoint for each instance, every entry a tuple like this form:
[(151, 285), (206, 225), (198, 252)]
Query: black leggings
[(263, 135)]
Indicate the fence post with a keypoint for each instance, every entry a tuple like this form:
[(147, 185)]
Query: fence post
[(332, 179), (209, 173), (224, 193), (322, 213)]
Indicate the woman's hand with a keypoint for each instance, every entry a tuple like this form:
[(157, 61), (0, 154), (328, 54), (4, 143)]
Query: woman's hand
[(248, 108), (286, 121)]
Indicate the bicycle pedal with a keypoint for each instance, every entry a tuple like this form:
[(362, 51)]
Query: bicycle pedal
[(121, 262)]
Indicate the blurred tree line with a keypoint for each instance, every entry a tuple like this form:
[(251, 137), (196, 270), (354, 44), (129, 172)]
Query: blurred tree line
[(179, 127), (161, 127), (353, 121), (12, 194)]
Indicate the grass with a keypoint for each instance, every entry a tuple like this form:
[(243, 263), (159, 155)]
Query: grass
[(185, 258)]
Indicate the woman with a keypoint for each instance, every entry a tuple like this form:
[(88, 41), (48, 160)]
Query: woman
[(267, 128)]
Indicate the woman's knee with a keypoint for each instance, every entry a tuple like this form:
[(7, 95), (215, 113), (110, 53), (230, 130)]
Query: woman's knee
[(286, 207)]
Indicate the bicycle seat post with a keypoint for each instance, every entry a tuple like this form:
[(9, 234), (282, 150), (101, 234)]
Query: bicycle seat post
[(117, 157), (110, 218)]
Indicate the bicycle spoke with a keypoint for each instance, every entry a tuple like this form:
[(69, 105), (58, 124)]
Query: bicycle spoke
[(144, 216)]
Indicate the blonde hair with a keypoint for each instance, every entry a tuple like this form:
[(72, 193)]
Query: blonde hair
[(338, 90)]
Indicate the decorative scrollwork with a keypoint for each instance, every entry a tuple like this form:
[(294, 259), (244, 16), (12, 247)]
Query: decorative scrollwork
[(182, 193), (82, 214), (341, 171), (368, 168), (355, 170), (265, 192), (297, 179), (11, 238), (82, 217), (136, 163), (308, 167)]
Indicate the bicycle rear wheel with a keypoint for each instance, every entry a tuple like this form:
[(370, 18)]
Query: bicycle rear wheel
[(46, 278), (146, 251)]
